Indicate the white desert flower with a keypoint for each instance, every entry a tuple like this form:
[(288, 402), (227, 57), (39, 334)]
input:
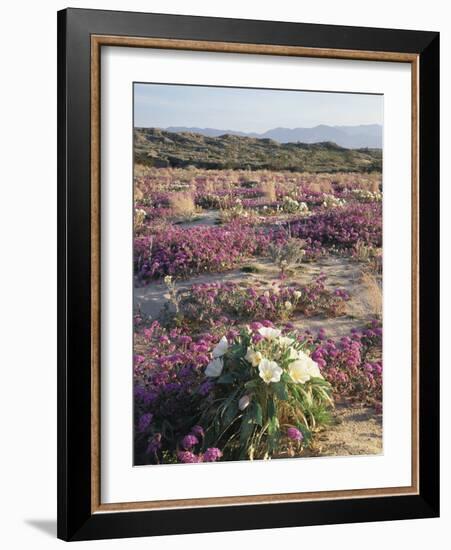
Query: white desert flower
[(269, 371), (297, 294), (303, 368), (269, 333), (285, 341), (314, 369), (288, 305), (221, 347), (244, 402), (214, 368), (299, 372), (253, 357)]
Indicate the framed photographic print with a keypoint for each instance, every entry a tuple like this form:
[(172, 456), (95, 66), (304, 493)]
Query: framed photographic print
[(248, 274)]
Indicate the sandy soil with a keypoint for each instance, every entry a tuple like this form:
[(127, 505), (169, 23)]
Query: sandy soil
[(356, 431), (206, 217), (340, 272)]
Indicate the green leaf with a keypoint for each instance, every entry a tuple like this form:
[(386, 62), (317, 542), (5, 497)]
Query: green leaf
[(230, 412), (280, 389), (251, 384), (257, 414), (271, 408), (273, 427), (286, 378), (226, 378), (246, 429)]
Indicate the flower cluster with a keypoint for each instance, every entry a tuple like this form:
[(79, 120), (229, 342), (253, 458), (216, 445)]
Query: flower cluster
[(186, 251), (364, 195), (331, 201), (292, 206), (209, 301), (267, 387), (342, 228), (190, 448), (270, 341), (169, 385), (349, 367)]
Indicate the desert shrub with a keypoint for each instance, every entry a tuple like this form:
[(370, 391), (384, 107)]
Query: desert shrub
[(268, 393), (288, 254), (363, 252), (236, 211)]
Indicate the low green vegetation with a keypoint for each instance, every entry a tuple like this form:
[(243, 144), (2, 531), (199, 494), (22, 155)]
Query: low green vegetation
[(161, 149)]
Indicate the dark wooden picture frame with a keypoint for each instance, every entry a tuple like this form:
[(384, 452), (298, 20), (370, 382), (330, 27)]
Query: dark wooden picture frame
[(81, 35)]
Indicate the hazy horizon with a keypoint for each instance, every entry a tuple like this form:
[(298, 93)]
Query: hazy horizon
[(250, 110)]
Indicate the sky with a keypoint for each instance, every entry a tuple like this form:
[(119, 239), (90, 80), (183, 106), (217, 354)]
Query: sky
[(250, 110)]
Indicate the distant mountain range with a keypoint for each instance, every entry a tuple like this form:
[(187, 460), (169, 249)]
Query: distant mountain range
[(351, 137)]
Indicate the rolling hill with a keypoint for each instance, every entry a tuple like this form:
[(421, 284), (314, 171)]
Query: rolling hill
[(161, 148)]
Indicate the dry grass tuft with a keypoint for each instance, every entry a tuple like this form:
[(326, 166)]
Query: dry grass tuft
[(182, 204), (374, 186), (314, 187), (139, 195), (373, 294), (268, 190), (323, 186)]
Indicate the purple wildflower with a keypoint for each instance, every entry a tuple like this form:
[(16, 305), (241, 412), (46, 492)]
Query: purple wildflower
[(144, 421), (294, 434), (189, 441), (198, 431), (154, 444), (187, 457), (212, 454)]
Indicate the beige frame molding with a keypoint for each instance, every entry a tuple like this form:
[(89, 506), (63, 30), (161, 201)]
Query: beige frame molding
[(97, 41)]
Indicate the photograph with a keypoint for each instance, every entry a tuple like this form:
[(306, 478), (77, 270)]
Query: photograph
[(257, 252)]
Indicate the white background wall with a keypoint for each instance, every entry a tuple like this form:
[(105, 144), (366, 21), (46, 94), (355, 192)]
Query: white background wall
[(28, 271)]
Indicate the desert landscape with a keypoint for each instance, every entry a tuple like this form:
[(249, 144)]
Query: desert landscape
[(258, 298)]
